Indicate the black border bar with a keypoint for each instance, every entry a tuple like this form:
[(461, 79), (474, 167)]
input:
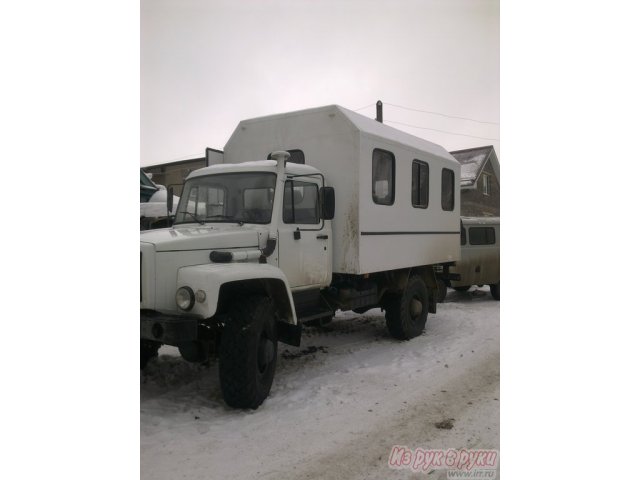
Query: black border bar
[(410, 233)]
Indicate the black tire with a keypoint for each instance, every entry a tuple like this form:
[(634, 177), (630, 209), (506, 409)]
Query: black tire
[(148, 350), (442, 291), (495, 291), (248, 352), (406, 313), (462, 289)]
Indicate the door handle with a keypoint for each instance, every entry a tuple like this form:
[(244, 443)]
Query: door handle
[(322, 237)]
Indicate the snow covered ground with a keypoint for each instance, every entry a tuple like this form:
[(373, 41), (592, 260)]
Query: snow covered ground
[(338, 403)]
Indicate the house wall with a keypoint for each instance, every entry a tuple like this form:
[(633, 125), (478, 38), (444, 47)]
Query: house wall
[(475, 203), (173, 174)]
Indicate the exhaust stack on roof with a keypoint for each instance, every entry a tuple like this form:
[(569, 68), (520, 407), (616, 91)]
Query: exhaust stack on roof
[(379, 111)]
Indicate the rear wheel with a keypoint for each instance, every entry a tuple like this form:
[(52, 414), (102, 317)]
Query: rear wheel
[(495, 291), (406, 313), (248, 352)]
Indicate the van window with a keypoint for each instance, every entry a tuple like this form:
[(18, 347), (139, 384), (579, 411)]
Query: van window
[(297, 156), (447, 189), (300, 203), (419, 184), (482, 235), (383, 177)]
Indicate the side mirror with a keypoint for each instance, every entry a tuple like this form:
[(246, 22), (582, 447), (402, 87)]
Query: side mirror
[(169, 201), (328, 201)]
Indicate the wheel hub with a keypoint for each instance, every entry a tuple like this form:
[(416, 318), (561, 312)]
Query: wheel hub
[(266, 353), (416, 308)]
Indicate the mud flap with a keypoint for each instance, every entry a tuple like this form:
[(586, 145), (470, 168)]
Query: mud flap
[(289, 333), (430, 280), (433, 302)]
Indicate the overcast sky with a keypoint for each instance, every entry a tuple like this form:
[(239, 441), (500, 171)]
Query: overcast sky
[(207, 64)]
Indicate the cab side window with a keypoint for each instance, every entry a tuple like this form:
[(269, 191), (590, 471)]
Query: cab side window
[(301, 204)]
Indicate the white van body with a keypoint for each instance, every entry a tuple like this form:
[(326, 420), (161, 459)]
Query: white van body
[(367, 237), (480, 253)]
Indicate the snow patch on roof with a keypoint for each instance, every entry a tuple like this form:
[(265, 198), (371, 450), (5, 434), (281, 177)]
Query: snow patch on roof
[(471, 162), (469, 169)]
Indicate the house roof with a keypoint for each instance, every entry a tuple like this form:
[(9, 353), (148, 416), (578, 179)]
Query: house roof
[(472, 162), (176, 163)]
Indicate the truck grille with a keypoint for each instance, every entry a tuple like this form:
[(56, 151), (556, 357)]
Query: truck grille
[(147, 276)]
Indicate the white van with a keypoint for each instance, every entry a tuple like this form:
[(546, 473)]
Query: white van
[(480, 255)]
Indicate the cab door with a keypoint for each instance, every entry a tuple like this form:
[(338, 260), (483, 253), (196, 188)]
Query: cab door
[(304, 239)]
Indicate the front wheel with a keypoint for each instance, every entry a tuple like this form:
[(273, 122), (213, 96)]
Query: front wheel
[(495, 291), (148, 350), (406, 313), (248, 352)]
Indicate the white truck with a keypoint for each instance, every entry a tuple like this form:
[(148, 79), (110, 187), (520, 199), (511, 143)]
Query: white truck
[(153, 203), (343, 212)]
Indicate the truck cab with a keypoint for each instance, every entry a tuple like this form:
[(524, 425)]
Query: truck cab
[(245, 238)]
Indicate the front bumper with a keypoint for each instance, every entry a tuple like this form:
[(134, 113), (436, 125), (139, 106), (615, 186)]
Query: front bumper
[(168, 329)]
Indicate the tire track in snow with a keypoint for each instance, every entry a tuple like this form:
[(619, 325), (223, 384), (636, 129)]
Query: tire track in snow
[(476, 425)]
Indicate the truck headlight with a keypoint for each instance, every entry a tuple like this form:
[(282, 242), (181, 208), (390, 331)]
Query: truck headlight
[(185, 298)]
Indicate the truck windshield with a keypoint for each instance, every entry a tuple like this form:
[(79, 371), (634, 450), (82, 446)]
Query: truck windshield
[(227, 197)]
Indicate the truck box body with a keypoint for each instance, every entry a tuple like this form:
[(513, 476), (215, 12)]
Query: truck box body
[(368, 237)]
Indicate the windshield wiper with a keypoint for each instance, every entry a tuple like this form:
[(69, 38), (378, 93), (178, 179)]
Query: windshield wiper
[(227, 217), (201, 222)]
